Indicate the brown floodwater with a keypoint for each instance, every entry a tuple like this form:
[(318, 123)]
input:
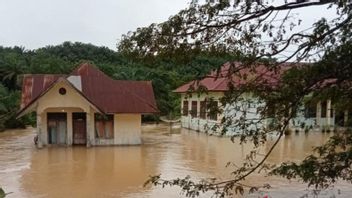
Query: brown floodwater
[(120, 171)]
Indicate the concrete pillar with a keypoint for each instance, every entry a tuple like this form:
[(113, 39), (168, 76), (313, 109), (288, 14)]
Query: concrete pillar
[(44, 128), (328, 113), (198, 107), (188, 114), (318, 114), (182, 99), (69, 138), (39, 131), (290, 122), (90, 128), (198, 113)]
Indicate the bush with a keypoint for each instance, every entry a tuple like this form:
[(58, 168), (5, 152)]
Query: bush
[(288, 131)]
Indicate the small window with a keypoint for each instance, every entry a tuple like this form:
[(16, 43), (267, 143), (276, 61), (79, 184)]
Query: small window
[(271, 110), (194, 108), (310, 111), (104, 126), (62, 91), (213, 110), (203, 109), (323, 109), (185, 108)]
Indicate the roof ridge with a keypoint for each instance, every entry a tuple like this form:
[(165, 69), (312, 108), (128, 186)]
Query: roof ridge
[(89, 65), (61, 75), (144, 81)]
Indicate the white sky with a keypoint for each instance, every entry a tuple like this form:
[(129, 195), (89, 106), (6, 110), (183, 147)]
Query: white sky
[(37, 23)]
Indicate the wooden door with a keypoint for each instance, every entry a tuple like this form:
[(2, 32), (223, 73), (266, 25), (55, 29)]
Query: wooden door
[(79, 128)]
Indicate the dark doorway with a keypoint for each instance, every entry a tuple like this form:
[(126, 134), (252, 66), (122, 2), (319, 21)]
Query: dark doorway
[(79, 128), (57, 125), (340, 118)]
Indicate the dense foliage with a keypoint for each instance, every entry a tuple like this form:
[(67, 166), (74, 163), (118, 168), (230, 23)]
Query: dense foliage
[(166, 73), (266, 30)]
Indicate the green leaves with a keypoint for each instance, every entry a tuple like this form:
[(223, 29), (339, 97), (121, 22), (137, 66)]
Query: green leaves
[(2, 193)]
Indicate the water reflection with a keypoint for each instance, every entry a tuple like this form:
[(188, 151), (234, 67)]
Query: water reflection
[(121, 171)]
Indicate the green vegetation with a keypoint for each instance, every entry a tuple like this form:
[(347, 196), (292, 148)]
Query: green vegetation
[(3, 194), (166, 72), (262, 31)]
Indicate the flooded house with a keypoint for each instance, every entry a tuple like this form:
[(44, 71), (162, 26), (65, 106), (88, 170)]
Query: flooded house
[(196, 116), (86, 107)]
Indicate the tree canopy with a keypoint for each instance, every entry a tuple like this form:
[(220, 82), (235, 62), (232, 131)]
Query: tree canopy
[(266, 33), (165, 73)]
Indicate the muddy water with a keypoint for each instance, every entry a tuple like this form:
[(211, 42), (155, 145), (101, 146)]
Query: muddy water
[(121, 171)]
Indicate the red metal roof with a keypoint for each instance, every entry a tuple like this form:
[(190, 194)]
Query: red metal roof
[(111, 96), (236, 74), (34, 84)]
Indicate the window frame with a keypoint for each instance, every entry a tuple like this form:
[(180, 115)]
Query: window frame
[(213, 115), (203, 109), (324, 109), (194, 108), (310, 111), (185, 108), (105, 120)]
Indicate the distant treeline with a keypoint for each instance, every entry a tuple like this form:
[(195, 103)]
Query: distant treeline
[(166, 72)]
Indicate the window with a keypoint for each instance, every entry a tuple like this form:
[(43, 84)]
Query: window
[(323, 109), (271, 110), (213, 110), (62, 91), (185, 108), (310, 111), (203, 109), (104, 126), (194, 108)]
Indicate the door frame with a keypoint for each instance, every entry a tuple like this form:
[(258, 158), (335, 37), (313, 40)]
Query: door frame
[(56, 116), (75, 117)]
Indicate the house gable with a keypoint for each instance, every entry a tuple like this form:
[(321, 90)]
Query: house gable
[(72, 98), (52, 98), (105, 94)]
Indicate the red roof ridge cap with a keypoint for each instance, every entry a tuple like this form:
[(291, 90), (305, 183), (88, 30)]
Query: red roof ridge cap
[(89, 65)]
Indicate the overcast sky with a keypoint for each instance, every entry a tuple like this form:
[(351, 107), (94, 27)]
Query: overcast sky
[(37, 23)]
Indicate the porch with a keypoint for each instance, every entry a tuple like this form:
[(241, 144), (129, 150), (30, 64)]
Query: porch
[(64, 126)]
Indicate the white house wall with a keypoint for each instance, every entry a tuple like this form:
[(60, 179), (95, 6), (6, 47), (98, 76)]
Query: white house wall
[(127, 129), (204, 125), (235, 112)]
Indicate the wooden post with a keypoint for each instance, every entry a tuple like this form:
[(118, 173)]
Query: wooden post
[(328, 113), (39, 131), (69, 137), (318, 114), (89, 130), (345, 118), (188, 113), (198, 113)]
